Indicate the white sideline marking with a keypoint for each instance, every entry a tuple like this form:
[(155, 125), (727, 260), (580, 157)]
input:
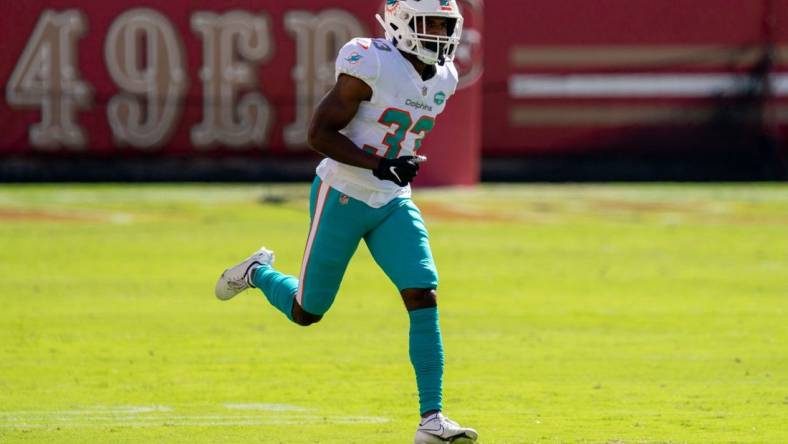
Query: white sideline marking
[(97, 410), (160, 416), (267, 407), (121, 218)]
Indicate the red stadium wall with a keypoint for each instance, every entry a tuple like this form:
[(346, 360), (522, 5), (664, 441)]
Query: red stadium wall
[(584, 76), (130, 79), (778, 35), (240, 80)]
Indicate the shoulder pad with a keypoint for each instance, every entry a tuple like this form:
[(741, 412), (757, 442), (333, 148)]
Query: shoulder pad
[(358, 58)]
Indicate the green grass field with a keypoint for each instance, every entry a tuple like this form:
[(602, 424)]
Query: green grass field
[(601, 314)]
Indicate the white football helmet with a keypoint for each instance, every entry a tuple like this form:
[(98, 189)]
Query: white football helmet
[(405, 23)]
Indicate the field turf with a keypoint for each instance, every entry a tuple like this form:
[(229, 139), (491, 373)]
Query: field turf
[(571, 314)]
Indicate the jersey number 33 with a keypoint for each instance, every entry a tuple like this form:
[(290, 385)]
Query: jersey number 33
[(400, 124)]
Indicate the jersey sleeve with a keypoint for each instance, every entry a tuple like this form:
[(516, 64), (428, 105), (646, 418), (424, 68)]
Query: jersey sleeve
[(359, 59)]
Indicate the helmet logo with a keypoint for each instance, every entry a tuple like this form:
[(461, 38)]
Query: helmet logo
[(391, 5), (445, 5), (440, 98)]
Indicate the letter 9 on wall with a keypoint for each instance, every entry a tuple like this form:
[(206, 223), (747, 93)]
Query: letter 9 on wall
[(145, 59)]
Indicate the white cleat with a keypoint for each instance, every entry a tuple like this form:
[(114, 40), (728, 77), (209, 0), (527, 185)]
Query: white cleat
[(438, 429), (237, 279)]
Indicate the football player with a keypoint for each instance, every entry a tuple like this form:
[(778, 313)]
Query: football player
[(370, 127)]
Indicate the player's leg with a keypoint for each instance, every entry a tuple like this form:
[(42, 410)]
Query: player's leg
[(400, 245), (334, 234)]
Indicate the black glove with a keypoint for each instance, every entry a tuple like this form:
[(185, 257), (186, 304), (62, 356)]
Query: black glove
[(400, 171)]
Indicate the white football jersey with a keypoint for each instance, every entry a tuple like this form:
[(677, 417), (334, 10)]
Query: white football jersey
[(394, 122)]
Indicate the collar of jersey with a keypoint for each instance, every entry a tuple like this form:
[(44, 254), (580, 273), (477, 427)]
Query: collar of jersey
[(414, 75)]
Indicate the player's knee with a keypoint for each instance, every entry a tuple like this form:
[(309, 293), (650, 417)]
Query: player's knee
[(309, 319), (418, 298), (303, 317)]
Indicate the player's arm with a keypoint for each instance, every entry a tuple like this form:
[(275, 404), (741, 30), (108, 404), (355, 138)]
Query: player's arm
[(334, 113)]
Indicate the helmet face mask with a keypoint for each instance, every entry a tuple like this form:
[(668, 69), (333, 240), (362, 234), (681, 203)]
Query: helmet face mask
[(406, 24)]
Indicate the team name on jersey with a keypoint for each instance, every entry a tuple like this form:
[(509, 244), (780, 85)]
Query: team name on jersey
[(418, 105)]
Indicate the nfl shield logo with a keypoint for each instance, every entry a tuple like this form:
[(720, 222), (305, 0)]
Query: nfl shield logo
[(343, 200), (424, 91)]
